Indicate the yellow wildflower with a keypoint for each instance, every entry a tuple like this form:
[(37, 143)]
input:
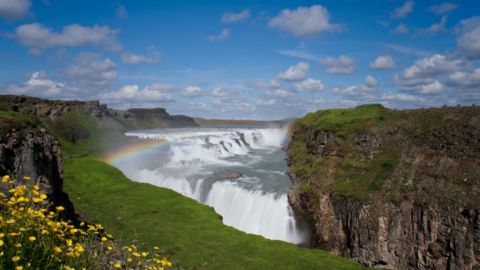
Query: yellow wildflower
[(117, 266), (1, 242), (32, 238), (15, 258), (5, 178), (18, 267), (60, 208), (79, 248), (26, 178), (69, 242), (57, 249)]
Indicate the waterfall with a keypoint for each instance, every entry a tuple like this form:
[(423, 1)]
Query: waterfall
[(244, 203)]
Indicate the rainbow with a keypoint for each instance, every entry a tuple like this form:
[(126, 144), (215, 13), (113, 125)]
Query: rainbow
[(132, 147)]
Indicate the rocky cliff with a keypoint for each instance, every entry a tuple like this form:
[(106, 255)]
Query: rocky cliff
[(84, 127), (392, 189), (32, 130), (33, 153), (131, 118)]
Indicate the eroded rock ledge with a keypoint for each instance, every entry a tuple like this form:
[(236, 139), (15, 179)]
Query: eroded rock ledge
[(422, 209), (36, 154)]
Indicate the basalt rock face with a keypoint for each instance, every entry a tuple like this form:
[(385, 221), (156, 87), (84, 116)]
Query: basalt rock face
[(35, 154), (393, 236), (421, 210)]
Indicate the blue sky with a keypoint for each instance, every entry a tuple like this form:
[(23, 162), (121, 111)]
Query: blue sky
[(242, 59)]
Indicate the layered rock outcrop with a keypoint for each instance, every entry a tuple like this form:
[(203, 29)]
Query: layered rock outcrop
[(52, 108), (36, 154), (421, 169)]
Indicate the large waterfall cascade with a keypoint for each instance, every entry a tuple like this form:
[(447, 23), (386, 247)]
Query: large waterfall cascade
[(255, 203)]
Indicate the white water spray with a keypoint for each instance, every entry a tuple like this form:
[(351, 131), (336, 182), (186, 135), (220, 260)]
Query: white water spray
[(243, 203)]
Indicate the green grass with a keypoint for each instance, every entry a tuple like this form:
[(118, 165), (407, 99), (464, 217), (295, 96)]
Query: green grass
[(80, 133), (336, 119), (358, 178), (192, 234), (12, 120), (354, 175)]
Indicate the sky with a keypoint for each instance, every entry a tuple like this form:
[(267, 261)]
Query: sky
[(243, 59)]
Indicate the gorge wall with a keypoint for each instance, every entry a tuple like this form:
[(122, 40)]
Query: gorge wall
[(33, 153), (391, 189), (32, 131)]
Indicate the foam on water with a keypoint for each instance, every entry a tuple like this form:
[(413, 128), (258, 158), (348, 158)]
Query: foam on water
[(244, 203)]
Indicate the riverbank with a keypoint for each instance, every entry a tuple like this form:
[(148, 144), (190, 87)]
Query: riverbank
[(192, 234)]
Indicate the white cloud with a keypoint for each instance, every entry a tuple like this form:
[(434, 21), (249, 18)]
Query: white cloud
[(14, 9), (264, 85), (299, 54), (469, 36), (41, 85), (39, 38), (443, 8), (121, 12), (220, 92), (89, 69), (310, 85), (406, 50), (295, 73), (463, 79), (161, 87), (436, 27), (230, 17), (401, 97), (370, 82), (401, 29), (281, 93), (431, 88), (426, 70), (134, 59), (134, 93), (225, 34), (403, 10), (267, 102), (304, 21), (353, 90), (429, 75), (191, 91), (341, 65), (382, 62)]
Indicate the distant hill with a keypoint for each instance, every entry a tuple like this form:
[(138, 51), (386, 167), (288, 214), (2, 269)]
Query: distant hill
[(225, 122)]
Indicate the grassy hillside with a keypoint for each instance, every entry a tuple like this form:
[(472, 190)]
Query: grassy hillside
[(80, 133), (371, 150), (191, 233), (13, 120)]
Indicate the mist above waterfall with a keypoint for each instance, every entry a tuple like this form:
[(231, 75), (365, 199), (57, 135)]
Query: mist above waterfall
[(255, 203)]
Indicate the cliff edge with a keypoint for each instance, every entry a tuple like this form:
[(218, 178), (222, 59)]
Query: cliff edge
[(391, 189)]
